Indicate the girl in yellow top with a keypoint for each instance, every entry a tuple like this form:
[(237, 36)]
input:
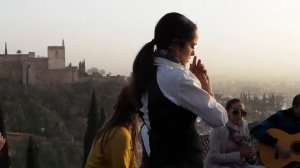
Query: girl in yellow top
[(114, 145)]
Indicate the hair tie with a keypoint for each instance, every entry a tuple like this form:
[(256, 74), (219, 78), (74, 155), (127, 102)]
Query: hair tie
[(153, 43)]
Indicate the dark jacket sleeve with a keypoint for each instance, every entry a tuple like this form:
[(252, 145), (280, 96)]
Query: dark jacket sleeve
[(260, 131)]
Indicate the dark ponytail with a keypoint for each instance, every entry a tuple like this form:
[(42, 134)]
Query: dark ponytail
[(143, 69)]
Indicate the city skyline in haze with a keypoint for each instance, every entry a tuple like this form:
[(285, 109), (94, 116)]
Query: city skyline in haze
[(252, 39)]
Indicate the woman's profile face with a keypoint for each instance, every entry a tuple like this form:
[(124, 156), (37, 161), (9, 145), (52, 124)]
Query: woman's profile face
[(185, 53), (236, 113)]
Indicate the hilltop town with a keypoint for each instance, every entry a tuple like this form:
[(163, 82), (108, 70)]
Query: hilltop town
[(29, 69)]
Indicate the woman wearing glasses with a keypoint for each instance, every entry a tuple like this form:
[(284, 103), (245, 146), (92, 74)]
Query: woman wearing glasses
[(230, 145)]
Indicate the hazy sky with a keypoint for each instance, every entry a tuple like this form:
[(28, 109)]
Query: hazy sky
[(250, 38)]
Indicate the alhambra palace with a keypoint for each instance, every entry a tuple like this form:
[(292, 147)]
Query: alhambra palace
[(31, 70)]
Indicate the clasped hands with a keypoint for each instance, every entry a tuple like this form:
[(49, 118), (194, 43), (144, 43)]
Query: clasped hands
[(199, 70)]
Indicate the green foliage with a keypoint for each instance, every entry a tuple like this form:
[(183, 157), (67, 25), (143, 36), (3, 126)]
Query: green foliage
[(57, 113), (92, 127), (102, 118), (18, 151), (32, 154)]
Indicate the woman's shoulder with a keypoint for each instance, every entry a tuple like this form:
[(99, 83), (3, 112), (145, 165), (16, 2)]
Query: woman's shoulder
[(121, 138), (176, 74), (121, 132)]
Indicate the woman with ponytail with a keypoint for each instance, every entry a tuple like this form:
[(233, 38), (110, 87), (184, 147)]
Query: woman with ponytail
[(171, 96)]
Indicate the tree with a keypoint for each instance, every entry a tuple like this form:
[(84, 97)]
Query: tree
[(19, 52), (4, 159), (102, 72), (102, 118), (32, 153), (92, 127), (109, 74), (95, 70)]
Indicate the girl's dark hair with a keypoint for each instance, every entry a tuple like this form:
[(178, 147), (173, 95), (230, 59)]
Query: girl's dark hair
[(125, 115), (231, 102), (170, 27)]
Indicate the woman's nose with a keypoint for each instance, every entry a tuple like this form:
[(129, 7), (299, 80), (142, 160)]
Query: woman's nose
[(193, 53)]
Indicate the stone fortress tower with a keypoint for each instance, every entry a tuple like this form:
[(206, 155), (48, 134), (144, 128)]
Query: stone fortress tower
[(56, 57), (31, 70)]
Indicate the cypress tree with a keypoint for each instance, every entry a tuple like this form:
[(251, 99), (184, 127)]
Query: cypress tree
[(102, 118), (92, 127), (32, 153), (4, 157)]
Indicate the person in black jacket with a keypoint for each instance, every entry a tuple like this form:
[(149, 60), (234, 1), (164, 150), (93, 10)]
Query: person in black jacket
[(286, 120)]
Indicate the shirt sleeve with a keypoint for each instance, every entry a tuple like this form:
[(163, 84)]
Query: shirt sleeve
[(183, 88), (260, 131), (121, 149), (192, 97)]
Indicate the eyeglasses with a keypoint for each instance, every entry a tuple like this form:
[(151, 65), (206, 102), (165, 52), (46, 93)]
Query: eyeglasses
[(242, 112)]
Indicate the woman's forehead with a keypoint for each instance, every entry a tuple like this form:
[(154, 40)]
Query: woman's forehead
[(237, 105)]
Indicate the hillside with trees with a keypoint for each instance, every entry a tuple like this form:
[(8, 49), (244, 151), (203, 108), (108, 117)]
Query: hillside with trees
[(62, 119), (56, 118)]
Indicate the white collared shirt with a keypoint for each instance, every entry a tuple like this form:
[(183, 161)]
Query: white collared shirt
[(182, 87)]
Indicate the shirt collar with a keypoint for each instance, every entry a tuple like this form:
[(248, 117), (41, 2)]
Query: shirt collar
[(159, 61)]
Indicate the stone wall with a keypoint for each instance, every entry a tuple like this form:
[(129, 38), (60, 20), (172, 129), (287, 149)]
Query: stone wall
[(11, 66), (58, 76), (102, 79), (30, 68), (27, 69)]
